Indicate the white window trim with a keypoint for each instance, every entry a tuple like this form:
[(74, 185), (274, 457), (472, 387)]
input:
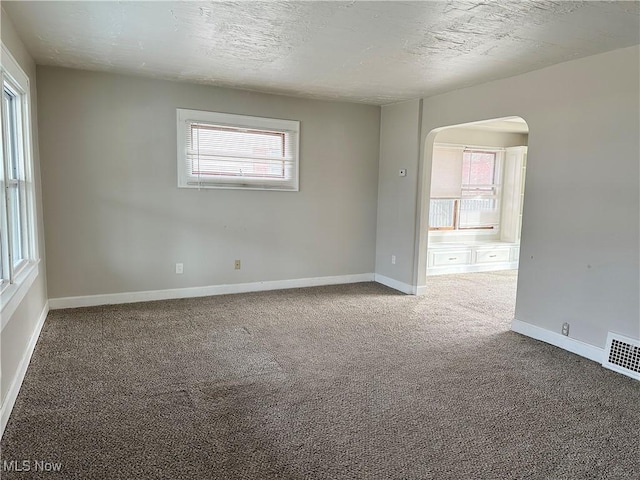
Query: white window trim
[(12, 293), (497, 185), (184, 116)]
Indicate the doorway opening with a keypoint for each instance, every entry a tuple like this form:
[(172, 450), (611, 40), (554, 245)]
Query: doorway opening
[(470, 219), (476, 197)]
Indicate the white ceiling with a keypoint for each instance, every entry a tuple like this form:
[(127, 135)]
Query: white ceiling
[(372, 52)]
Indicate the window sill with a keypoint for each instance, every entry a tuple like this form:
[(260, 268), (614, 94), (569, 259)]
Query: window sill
[(13, 294), (481, 232), (289, 183)]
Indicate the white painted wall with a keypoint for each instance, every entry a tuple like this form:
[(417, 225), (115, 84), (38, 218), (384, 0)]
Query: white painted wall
[(18, 334), (115, 220), (475, 137), (579, 258), (399, 147)]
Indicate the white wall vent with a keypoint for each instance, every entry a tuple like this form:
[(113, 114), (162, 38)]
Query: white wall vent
[(622, 354)]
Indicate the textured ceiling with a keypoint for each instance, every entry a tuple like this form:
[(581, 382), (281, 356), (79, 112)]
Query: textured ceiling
[(372, 52)]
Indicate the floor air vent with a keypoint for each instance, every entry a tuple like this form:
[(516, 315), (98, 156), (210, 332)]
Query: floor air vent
[(623, 355)]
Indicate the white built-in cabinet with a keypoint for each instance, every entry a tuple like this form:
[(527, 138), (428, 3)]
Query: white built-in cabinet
[(451, 252), (515, 166), (472, 257)]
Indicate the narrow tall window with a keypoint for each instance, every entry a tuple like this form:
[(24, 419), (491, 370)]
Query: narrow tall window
[(18, 250), (217, 150), (479, 203), (15, 179)]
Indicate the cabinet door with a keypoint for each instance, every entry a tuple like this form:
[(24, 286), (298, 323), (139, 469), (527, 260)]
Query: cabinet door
[(453, 257), (512, 194), (523, 171), (493, 255)]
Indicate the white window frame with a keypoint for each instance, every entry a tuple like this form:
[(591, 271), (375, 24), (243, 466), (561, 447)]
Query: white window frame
[(494, 194), (291, 128), (482, 230), (16, 280)]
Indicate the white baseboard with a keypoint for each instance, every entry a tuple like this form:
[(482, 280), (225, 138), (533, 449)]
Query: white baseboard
[(14, 389), (571, 344), (421, 290), (133, 297), (395, 284)]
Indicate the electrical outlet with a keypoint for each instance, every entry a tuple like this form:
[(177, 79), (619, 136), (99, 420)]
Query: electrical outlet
[(565, 329), (237, 264), (179, 268), (393, 259)]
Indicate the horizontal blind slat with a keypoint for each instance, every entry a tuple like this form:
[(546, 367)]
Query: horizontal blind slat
[(194, 155)]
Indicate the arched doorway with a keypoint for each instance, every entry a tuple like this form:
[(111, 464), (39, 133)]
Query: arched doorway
[(471, 198)]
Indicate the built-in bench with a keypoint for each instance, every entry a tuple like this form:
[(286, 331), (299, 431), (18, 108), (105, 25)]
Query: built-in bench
[(449, 257)]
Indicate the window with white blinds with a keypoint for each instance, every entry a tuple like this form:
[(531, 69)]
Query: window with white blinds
[(466, 186), (222, 150)]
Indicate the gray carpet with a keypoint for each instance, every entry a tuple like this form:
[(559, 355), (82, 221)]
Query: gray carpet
[(341, 382)]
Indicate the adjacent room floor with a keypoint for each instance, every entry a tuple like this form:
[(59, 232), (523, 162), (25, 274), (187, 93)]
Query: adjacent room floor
[(341, 382)]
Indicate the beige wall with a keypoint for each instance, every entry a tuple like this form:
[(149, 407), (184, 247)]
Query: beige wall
[(579, 252), (399, 147), (19, 330), (115, 220), (474, 137)]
